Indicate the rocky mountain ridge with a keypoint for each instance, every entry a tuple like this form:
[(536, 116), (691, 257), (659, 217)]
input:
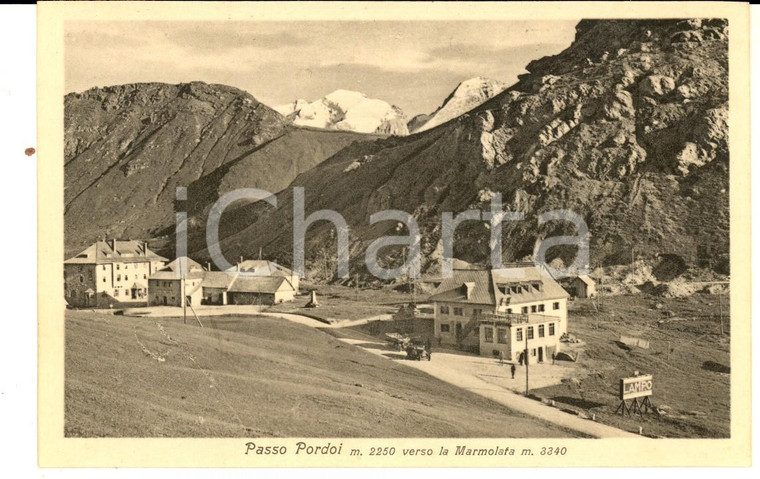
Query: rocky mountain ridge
[(626, 127), (127, 148)]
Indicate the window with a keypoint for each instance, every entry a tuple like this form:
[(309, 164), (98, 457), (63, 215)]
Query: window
[(530, 332), (533, 308), (118, 277), (458, 312), (555, 306), (476, 312), (551, 329), (519, 334), (524, 310), (126, 266), (445, 328), (533, 352), (104, 279), (501, 335), (509, 310), (81, 278), (145, 276), (118, 266), (444, 310), (116, 293), (104, 267), (540, 330), (540, 308), (489, 334)]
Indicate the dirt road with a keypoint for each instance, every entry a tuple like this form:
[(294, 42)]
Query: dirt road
[(443, 367)]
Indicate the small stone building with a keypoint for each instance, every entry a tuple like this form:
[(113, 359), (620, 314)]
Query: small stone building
[(583, 287)]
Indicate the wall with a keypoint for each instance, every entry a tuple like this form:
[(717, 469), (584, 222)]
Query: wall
[(78, 278), (451, 319), (514, 347), (214, 295), (171, 289), (251, 298)]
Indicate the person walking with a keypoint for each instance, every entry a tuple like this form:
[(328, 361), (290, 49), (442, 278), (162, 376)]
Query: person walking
[(501, 358), (554, 356), (512, 369)]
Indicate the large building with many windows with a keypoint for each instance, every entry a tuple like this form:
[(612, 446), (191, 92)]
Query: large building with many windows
[(110, 273), (496, 311)]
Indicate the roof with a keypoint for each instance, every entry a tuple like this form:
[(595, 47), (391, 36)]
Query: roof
[(116, 251), (218, 279), (242, 283), (261, 267), (586, 279), (259, 284), (172, 270), (453, 289), (192, 266), (493, 287)]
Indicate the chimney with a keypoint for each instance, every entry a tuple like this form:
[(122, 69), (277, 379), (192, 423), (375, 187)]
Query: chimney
[(469, 287)]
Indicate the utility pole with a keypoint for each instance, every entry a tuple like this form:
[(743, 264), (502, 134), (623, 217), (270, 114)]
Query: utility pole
[(526, 361), (720, 303), (184, 301)]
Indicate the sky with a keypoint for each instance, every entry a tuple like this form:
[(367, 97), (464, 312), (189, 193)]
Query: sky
[(411, 64)]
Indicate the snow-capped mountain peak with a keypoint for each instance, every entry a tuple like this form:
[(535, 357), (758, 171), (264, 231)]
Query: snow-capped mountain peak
[(347, 110), (466, 96)]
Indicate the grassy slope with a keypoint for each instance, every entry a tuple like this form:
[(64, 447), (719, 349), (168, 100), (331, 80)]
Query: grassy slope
[(698, 397), (257, 377)]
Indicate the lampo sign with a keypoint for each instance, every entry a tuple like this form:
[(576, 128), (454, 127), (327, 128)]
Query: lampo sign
[(635, 387)]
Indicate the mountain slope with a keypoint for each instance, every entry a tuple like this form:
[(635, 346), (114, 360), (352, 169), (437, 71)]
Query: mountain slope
[(347, 110), (128, 147), (626, 127), (466, 96)]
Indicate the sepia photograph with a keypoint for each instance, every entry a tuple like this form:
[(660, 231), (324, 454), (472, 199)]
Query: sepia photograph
[(295, 233)]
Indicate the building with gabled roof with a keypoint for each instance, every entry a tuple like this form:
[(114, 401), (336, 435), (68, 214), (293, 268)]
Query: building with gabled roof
[(110, 273), (582, 286), (494, 310), (166, 287), (252, 282), (262, 267)]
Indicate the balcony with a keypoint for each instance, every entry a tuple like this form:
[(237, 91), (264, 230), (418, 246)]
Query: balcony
[(509, 319)]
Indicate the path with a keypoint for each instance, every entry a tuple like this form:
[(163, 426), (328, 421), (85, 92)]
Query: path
[(442, 367)]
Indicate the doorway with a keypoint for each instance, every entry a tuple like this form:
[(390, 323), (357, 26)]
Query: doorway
[(541, 354)]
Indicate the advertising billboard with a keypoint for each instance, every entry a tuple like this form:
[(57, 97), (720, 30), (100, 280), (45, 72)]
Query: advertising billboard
[(635, 387)]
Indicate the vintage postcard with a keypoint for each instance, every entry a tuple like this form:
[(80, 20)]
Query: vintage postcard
[(393, 234)]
